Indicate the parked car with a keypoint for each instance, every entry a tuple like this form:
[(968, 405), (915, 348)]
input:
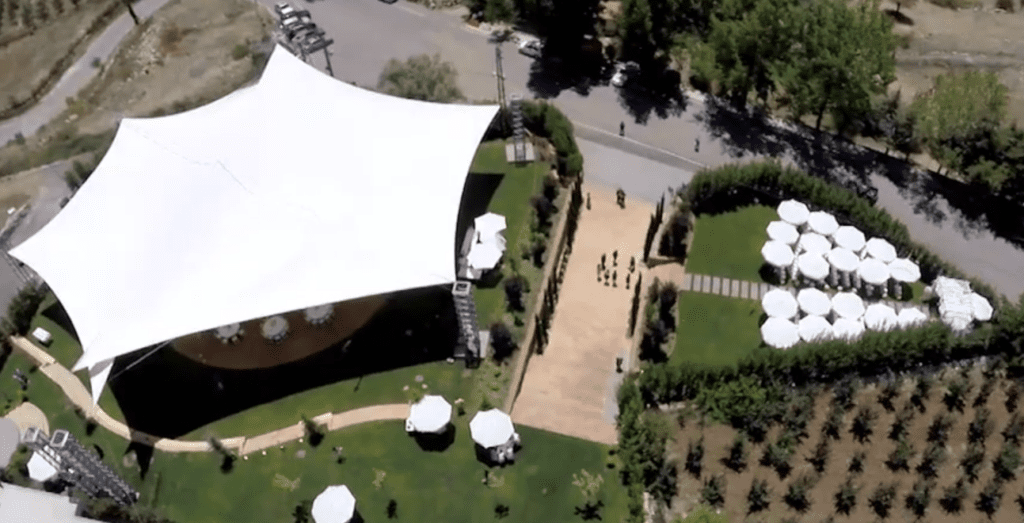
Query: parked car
[(284, 10), (625, 72), (532, 48)]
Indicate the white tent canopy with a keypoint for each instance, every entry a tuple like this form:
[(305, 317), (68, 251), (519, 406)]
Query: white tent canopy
[(848, 305), (98, 375), (822, 223), (777, 254), (956, 307), (910, 317), (873, 271), (484, 255), (778, 303), (10, 438), (814, 328), (982, 308), (793, 212), (490, 428), (843, 259), (39, 469), (335, 504), (783, 232), (850, 238), (880, 317), (812, 265), (227, 213), (904, 270), (880, 249), (814, 302), (847, 329), (780, 333), (812, 242), (487, 225), (430, 414)]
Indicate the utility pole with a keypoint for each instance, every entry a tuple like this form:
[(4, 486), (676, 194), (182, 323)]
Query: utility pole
[(327, 56), (501, 85)]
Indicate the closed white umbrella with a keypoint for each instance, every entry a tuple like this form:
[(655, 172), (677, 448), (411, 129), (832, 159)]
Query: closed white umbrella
[(843, 259), (873, 271), (484, 255), (489, 224), (847, 329), (850, 238), (780, 333), (982, 308), (778, 303), (813, 242), (814, 302), (39, 469), (904, 270), (910, 317), (814, 328), (880, 317), (491, 428), (793, 212), (880, 249), (813, 266), (783, 232), (848, 305), (430, 414), (822, 223), (777, 254), (335, 504)]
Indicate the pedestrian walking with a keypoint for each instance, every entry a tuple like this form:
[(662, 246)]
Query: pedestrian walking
[(602, 261), (627, 280), (606, 274), (615, 277), (622, 128), (696, 145), (615, 258), (599, 272), (588, 201), (632, 263)]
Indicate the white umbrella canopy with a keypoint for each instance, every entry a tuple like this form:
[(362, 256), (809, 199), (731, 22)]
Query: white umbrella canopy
[(843, 259), (847, 329), (777, 253), (850, 238), (489, 224), (793, 212), (873, 271), (484, 255), (813, 242), (880, 317), (783, 232), (848, 305), (430, 414), (910, 317), (822, 223), (814, 302), (880, 249), (778, 303), (814, 328), (812, 265), (780, 333), (39, 469), (982, 308), (491, 428), (10, 438), (335, 504), (904, 270)]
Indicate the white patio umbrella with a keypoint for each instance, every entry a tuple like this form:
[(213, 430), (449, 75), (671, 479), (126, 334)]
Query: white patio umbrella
[(793, 212), (484, 255), (880, 249), (778, 303), (982, 308), (873, 271), (780, 333), (850, 238), (335, 504), (814, 243), (822, 223), (904, 270), (430, 414), (814, 328), (848, 305), (777, 254), (910, 317), (814, 302), (489, 224), (880, 317), (783, 232), (491, 428), (39, 469), (847, 329), (812, 265)]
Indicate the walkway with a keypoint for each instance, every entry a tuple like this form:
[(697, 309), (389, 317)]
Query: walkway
[(76, 392)]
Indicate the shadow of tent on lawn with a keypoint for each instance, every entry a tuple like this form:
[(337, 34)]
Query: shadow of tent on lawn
[(435, 442)]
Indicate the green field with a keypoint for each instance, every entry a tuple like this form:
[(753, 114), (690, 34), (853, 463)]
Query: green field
[(729, 244), (715, 330)]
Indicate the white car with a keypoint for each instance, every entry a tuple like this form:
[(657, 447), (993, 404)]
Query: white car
[(623, 72), (532, 48), (284, 10)]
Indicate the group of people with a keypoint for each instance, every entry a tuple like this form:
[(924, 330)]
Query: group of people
[(613, 275)]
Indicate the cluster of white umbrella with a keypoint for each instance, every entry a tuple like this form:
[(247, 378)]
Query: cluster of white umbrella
[(958, 305), (488, 242)]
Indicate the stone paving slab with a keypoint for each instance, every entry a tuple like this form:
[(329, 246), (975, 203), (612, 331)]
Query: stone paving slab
[(726, 284), (705, 284), (745, 289), (717, 289), (687, 282), (735, 292)]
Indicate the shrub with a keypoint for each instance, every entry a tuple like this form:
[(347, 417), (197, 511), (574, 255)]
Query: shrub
[(1012, 396), (695, 457), (862, 424), (737, 458), (990, 498), (899, 458), (857, 462), (972, 460), (543, 209), (713, 492), (673, 239), (759, 496), (777, 455), (516, 289), (938, 431), (1006, 464), (23, 308), (981, 427), (819, 458), (796, 495), (919, 497), (1014, 429), (984, 392), (922, 391), (901, 424), (833, 423), (843, 394), (952, 499), (734, 401), (502, 341), (551, 189), (888, 394), (846, 497), (934, 457), (882, 498), (956, 394)]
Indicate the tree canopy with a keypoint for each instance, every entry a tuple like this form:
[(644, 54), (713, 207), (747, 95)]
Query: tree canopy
[(959, 106), (421, 77), (636, 30)]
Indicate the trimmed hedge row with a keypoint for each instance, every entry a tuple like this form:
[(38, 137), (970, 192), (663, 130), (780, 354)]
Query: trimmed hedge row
[(546, 120), (733, 185)]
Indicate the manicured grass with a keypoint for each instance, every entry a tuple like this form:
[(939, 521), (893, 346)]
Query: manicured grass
[(715, 330), (729, 244)]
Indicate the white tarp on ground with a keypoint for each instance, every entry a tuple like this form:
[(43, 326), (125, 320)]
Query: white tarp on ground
[(430, 414), (822, 223), (39, 469), (779, 303), (814, 328), (880, 317), (335, 504), (783, 232), (793, 212), (297, 191), (490, 428), (780, 333), (814, 302)]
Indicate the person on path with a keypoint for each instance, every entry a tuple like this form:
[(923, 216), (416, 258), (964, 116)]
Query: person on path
[(599, 272), (615, 277), (696, 145), (632, 263), (606, 274), (627, 280), (588, 201), (602, 260), (615, 258), (622, 128)]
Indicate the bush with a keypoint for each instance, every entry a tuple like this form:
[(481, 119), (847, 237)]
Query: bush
[(516, 289), (543, 209), (502, 341), (759, 496), (934, 457), (888, 394), (857, 462), (695, 457), (981, 427), (882, 498), (862, 424), (1014, 429), (938, 431), (952, 499), (919, 497), (23, 308), (899, 458), (972, 460), (846, 497), (990, 498), (713, 492), (737, 458), (734, 401), (819, 459), (796, 495), (956, 394), (901, 424), (1007, 463)]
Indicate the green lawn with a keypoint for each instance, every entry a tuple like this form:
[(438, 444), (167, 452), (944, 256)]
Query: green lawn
[(729, 244), (715, 330)]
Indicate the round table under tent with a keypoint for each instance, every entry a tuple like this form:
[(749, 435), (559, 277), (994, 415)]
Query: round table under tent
[(319, 315), (39, 469), (783, 232), (228, 333), (814, 302), (779, 303), (778, 255), (880, 317), (10, 438), (812, 242), (911, 317), (849, 238), (335, 504), (847, 329), (780, 333), (847, 305), (793, 212), (275, 328), (843, 264), (814, 328), (903, 271), (880, 249), (812, 266), (431, 415), (982, 308), (874, 274), (822, 223)]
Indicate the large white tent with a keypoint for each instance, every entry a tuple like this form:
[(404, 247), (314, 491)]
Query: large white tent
[(297, 191)]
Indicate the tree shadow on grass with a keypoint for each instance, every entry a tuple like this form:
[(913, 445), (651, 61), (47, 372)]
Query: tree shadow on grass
[(143, 456), (590, 511)]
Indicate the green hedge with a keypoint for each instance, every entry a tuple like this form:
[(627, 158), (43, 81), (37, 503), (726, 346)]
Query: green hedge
[(544, 119)]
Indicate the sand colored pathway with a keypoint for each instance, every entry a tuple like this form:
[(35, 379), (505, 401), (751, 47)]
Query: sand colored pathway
[(570, 388), (28, 415)]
